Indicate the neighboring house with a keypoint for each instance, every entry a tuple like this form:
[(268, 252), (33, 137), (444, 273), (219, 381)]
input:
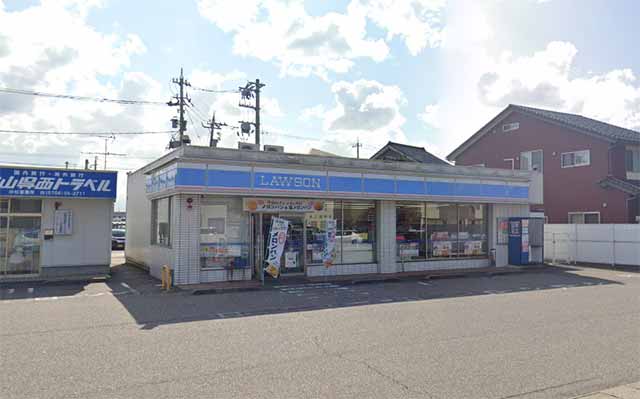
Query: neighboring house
[(591, 169), (407, 153)]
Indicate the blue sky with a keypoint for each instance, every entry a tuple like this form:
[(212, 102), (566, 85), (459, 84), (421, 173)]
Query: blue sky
[(422, 72)]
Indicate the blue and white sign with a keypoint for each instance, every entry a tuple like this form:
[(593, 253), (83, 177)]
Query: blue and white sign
[(290, 182), (37, 182), (251, 181)]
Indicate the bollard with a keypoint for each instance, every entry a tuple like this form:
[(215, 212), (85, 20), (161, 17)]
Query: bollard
[(166, 278)]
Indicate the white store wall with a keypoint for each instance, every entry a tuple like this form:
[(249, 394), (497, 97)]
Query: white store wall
[(90, 243), (138, 247)]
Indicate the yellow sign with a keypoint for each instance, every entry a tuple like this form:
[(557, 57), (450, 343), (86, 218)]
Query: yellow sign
[(272, 270)]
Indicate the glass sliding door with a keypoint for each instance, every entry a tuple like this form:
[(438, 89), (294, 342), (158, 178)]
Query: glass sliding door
[(23, 251), (20, 221)]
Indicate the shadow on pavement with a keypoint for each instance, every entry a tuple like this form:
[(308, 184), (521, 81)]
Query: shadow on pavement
[(151, 307)]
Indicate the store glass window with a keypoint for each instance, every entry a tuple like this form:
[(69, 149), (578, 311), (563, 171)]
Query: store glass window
[(26, 206), (161, 221), (357, 232), (442, 225), (224, 234), (411, 231), (316, 229), (4, 206), (472, 230)]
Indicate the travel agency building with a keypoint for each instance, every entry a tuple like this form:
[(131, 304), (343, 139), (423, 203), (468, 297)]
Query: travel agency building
[(55, 223), (208, 213)]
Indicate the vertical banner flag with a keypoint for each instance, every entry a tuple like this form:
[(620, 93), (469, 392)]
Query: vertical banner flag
[(330, 243), (275, 246)]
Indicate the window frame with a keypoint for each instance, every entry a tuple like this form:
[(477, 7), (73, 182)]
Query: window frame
[(9, 214), (632, 156), (428, 230), (575, 165), (530, 152), (154, 222), (510, 127), (569, 214), (513, 162)]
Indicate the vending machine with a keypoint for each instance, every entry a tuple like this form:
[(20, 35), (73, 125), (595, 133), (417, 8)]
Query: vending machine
[(519, 248)]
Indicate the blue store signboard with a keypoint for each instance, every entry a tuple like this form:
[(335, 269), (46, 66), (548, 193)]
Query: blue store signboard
[(38, 182)]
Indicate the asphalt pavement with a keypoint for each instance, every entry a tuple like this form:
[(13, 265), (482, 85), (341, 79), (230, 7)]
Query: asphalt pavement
[(554, 334)]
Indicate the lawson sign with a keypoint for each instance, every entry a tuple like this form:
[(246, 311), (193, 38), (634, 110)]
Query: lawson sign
[(37, 182)]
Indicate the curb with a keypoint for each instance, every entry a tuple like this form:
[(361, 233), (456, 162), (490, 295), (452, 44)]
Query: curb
[(382, 279)]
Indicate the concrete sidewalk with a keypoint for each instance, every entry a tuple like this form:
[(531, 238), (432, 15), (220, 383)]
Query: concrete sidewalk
[(630, 391)]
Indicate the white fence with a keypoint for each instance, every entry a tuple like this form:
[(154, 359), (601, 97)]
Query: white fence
[(613, 244)]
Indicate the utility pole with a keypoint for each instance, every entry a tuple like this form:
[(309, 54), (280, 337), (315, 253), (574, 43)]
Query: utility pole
[(105, 153), (251, 90), (180, 102), (357, 146), (213, 126), (86, 164), (66, 164)]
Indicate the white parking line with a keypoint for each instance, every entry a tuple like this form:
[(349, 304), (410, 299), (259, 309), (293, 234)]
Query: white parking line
[(30, 290), (11, 290), (424, 283), (133, 290)]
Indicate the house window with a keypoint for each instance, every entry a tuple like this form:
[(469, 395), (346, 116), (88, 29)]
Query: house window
[(531, 160), (510, 163), (632, 159), (161, 221), (510, 126), (584, 217), (575, 158)]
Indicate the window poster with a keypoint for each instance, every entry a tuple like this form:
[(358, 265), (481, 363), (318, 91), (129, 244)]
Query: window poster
[(63, 222), (291, 260), (442, 248), (503, 231)]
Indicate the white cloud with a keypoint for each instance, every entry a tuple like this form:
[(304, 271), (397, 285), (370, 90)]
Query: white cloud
[(366, 110), (316, 111), (545, 79), (301, 44), (66, 55), (430, 115), (417, 22), (481, 81)]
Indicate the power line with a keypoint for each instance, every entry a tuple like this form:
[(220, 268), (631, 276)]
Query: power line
[(60, 166), (60, 155), (81, 98), (85, 133), (318, 140), (212, 90)]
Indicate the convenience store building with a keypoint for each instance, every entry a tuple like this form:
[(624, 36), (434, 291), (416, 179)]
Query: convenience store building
[(207, 212)]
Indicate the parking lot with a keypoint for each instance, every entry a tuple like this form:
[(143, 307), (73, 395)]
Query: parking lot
[(549, 334)]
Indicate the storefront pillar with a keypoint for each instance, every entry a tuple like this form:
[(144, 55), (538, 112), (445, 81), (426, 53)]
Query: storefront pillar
[(186, 238), (386, 215)]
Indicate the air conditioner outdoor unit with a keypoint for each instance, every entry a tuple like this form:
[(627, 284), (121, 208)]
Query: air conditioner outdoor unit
[(273, 148), (248, 147)]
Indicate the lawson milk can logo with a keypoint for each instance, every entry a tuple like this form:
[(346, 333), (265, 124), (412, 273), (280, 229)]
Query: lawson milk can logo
[(289, 182)]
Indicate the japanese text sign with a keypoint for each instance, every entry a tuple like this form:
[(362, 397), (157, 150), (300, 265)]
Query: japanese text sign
[(37, 182)]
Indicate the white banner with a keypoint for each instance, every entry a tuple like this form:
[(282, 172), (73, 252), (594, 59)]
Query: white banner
[(275, 245), (329, 251)]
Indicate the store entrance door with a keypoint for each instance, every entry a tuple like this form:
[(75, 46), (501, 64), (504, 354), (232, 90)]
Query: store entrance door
[(292, 261)]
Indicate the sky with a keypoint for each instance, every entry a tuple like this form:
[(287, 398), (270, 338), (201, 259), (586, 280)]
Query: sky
[(428, 73)]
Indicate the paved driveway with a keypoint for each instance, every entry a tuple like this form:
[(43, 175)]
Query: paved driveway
[(540, 335)]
